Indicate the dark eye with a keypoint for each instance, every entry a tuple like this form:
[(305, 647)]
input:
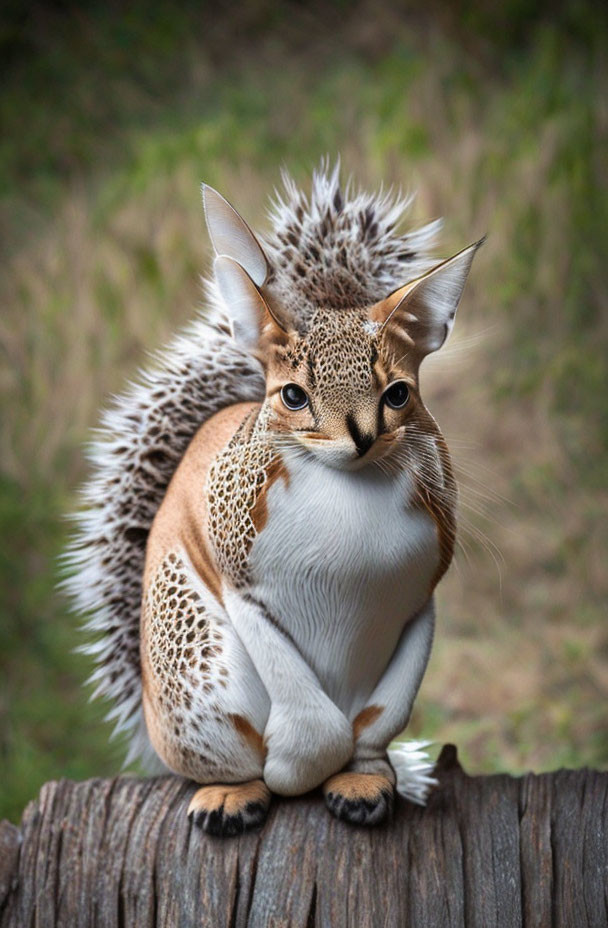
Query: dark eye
[(397, 395), (293, 396)]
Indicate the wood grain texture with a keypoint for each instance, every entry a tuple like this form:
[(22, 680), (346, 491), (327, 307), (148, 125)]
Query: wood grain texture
[(487, 851)]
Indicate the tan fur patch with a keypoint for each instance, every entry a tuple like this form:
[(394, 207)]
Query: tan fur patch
[(365, 718), (259, 510), (200, 557), (439, 503), (233, 798), (357, 786), (253, 738), (316, 436)]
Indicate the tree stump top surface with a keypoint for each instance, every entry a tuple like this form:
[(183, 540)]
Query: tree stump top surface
[(486, 851)]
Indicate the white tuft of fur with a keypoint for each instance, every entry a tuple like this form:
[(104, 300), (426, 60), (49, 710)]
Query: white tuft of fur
[(413, 768), (144, 434)]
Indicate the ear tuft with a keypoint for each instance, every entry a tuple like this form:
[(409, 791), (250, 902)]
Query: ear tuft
[(231, 236)]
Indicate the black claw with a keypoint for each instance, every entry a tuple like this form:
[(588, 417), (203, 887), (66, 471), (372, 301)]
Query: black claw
[(197, 818), (232, 825), (361, 811), (255, 813), (219, 825), (213, 822)]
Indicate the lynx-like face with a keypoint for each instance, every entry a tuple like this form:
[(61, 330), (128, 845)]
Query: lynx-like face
[(355, 395), (342, 384)]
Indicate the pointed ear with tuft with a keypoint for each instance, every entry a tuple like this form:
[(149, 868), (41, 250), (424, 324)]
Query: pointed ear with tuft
[(421, 314), (231, 236), (249, 312)]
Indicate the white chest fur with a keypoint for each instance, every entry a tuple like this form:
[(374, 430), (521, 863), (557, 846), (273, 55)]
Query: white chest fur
[(343, 562)]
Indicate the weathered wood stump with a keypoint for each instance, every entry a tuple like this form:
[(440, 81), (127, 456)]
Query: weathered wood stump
[(487, 851)]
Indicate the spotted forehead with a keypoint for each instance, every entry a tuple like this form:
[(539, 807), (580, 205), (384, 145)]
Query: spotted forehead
[(337, 353)]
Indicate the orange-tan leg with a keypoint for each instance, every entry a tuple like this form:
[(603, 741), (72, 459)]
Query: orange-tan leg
[(359, 798), (231, 809)]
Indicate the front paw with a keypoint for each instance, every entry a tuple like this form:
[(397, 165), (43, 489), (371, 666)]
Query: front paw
[(228, 810), (305, 746), (359, 798)]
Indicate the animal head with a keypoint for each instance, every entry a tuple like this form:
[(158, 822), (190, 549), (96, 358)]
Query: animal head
[(340, 383)]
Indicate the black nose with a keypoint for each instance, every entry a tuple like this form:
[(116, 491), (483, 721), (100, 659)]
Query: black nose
[(363, 440)]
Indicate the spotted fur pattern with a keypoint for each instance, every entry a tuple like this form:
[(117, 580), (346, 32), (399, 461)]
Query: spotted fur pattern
[(182, 640), (145, 433), (188, 651), (340, 353), (236, 479)]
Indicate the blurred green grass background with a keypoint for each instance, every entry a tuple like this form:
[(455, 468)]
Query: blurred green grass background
[(498, 117)]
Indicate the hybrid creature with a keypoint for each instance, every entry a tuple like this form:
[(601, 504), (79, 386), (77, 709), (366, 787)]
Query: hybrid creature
[(271, 510)]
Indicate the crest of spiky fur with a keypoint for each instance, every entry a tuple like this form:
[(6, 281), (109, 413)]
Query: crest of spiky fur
[(329, 248), (339, 248)]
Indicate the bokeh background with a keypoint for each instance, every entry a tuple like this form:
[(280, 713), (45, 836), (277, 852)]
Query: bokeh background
[(497, 114)]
